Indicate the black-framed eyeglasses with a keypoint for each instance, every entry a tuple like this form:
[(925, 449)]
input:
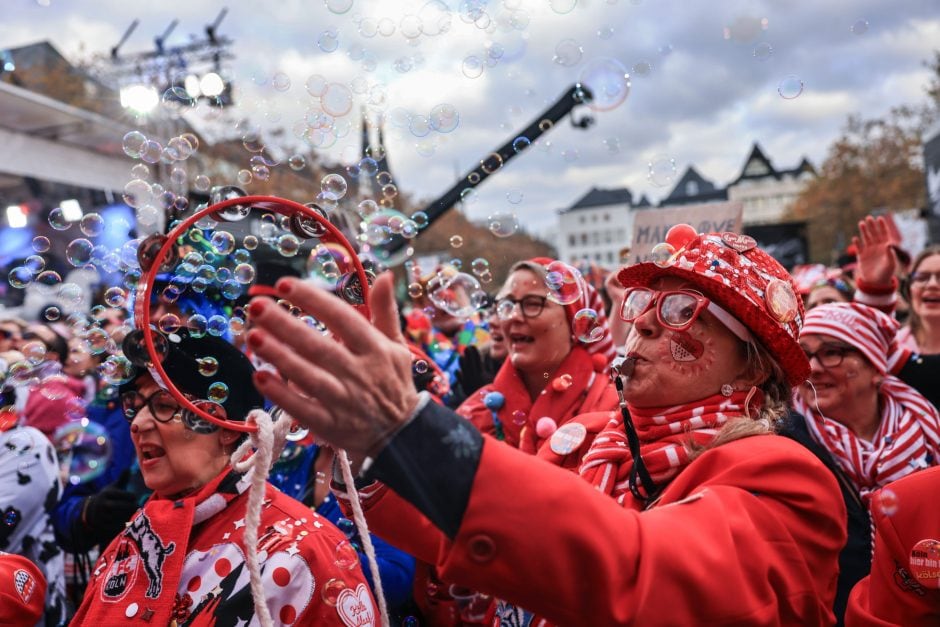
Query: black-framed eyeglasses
[(163, 407), (829, 355), (924, 277), (530, 305), (675, 310)]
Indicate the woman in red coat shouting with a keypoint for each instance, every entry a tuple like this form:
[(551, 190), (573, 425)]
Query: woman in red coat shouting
[(559, 348), (689, 510)]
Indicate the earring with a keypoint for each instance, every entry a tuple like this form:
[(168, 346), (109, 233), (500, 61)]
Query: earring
[(727, 389)]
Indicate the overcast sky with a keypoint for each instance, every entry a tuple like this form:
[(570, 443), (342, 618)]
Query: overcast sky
[(706, 78)]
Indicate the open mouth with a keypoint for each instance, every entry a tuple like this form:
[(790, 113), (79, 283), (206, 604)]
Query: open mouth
[(151, 451), (519, 338)]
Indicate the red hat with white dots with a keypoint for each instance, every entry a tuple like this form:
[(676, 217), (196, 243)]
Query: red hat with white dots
[(743, 280)]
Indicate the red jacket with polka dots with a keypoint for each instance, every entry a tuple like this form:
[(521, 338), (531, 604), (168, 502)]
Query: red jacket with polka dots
[(184, 561)]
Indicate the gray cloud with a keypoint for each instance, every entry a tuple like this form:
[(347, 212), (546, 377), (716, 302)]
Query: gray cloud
[(703, 103)]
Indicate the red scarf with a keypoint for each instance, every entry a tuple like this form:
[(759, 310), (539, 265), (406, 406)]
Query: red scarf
[(574, 394), (662, 431), (157, 537), (908, 438)]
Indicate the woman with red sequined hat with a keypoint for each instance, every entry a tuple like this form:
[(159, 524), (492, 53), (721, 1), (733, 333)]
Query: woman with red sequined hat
[(689, 509)]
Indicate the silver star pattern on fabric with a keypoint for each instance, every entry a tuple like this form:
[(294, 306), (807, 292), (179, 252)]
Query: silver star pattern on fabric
[(461, 442)]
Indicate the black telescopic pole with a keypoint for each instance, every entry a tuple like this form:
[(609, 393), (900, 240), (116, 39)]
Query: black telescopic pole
[(575, 95)]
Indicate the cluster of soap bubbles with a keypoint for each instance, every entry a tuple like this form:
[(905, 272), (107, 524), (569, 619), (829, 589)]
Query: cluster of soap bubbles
[(138, 146)]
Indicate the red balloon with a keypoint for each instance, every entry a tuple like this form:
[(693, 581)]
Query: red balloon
[(680, 235)]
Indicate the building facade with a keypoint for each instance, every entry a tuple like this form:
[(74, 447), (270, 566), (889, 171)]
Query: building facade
[(598, 226)]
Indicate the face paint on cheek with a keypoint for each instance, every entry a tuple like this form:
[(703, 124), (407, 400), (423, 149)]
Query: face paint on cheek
[(686, 355), (685, 348)]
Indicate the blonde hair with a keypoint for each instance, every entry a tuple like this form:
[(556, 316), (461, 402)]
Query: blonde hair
[(776, 392)]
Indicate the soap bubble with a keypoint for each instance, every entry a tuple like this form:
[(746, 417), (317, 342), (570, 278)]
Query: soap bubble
[(334, 186), (790, 87), (57, 219), (91, 224), (568, 53), (347, 558), (763, 51), (19, 277), (78, 252), (562, 6), (608, 82), (115, 297), (458, 295), (444, 118), (456, 241), (208, 366), (661, 171), (223, 242), (586, 326), (563, 283), (662, 254), (860, 27), (502, 224), (217, 325), (41, 244), (197, 325), (83, 449), (116, 370), (133, 144), (218, 392)]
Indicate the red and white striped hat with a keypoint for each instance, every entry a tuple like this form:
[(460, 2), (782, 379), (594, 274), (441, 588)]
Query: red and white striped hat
[(869, 330), (602, 345)]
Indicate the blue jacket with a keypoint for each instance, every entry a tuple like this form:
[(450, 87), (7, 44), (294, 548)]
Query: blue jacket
[(66, 518)]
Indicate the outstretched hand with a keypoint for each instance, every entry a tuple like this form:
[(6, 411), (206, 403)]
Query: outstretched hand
[(876, 243), (352, 394)]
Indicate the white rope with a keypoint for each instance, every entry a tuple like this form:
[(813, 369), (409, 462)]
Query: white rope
[(267, 443), (363, 527)]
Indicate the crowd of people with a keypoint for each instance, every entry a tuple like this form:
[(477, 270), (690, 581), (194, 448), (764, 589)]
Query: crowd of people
[(703, 439)]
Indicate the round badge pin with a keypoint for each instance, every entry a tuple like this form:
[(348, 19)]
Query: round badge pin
[(567, 438), (781, 300), (924, 563)]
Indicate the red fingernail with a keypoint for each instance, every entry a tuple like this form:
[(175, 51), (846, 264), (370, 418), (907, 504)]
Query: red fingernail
[(262, 377), (283, 287), (256, 307), (255, 340)]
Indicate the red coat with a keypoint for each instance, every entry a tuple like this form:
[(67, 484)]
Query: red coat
[(748, 533), (154, 571), (904, 585), (579, 385)]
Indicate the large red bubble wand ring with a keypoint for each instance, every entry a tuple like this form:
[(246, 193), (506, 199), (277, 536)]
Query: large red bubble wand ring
[(266, 436)]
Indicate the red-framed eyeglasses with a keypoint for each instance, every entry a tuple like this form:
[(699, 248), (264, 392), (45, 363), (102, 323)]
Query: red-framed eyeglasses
[(675, 310)]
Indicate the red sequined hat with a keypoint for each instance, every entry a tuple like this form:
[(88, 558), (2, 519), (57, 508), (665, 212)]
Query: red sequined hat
[(732, 271)]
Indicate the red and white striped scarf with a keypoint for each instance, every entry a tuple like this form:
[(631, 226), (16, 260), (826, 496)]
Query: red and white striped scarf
[(907, 440), (662, 431)]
